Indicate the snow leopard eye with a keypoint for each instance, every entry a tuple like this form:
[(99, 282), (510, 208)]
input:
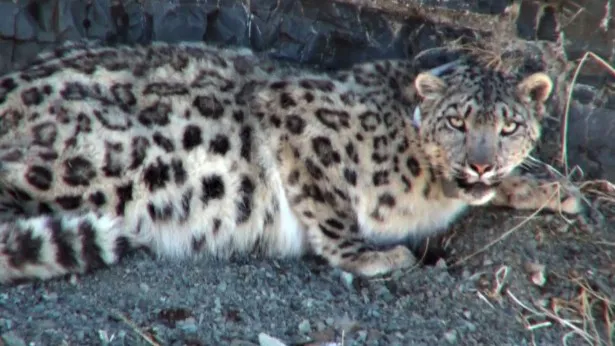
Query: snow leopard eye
[(457, 123), (509, 128)]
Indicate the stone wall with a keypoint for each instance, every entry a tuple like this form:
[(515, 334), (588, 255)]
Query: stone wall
[(329, 33)]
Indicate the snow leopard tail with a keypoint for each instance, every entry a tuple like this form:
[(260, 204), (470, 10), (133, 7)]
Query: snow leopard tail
[(49, 246)]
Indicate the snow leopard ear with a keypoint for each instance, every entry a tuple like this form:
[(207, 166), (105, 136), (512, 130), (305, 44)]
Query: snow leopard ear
[(535, 88), (428, 85)]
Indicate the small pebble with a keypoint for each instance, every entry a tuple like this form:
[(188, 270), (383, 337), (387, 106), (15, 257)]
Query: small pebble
[(104, 338), (305, 327), (6, 323), (308, 303), (441, 264), (188, 325), (51, 297), (12, 339), (266, 340), (144, 287), (361, 336), (451, 336), (384, 293), (320, 326), (465, 274), (73, 280), (347, 279), (443, 277)]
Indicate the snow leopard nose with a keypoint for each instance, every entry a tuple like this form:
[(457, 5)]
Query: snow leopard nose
[(481, 168)]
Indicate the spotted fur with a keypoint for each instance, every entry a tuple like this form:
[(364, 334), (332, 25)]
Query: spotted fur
[(187, 149)]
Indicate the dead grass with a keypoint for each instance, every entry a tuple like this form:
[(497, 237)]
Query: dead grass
[(588, 315), (602, 190), (493, 56), (144, 335)]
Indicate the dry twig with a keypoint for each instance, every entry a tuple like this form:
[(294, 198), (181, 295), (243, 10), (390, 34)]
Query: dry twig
[(136, 329)]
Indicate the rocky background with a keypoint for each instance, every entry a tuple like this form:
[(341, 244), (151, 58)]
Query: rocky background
[(148, 302)]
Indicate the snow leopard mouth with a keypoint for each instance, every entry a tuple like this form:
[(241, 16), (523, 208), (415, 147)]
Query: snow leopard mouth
[(477, 187)]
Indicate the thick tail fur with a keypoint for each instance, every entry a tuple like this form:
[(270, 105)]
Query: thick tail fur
[(48, 246)]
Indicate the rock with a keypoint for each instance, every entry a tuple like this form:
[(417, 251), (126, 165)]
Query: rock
[(51, 297), (144, 287), (266, 340), (385, 294), (308, 303), (188, 325), (188, 22), (7, 24), (24, 25), (347, 279), (589, 141), (465, 273), (80, 335), (217, 305), (320, 326), (451, 336), (305, 327), (6, 324), (470, 326), (12, 339), (361, 336)]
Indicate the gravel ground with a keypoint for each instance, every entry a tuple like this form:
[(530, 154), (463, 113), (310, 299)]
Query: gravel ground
[(207, 302)]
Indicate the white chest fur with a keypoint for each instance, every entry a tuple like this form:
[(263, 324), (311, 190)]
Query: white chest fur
[(429, 217)]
